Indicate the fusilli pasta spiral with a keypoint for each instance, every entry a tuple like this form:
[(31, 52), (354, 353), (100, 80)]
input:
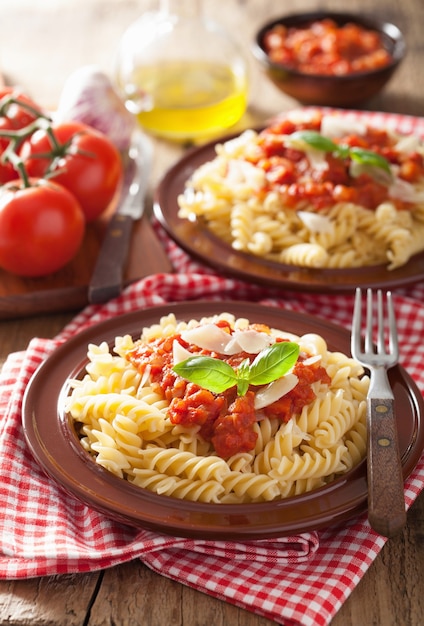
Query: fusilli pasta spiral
[(123, 423)]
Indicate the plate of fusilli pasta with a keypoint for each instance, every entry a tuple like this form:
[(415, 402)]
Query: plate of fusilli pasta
[(97, 422), (316, 201)]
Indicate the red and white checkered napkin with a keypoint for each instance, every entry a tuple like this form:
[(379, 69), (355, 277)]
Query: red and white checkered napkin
[(301, 580)]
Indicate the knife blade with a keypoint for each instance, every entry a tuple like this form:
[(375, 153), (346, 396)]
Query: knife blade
[(107, 278)]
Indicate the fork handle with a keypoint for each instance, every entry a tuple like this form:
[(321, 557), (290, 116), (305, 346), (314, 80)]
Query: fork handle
[(386, 500)]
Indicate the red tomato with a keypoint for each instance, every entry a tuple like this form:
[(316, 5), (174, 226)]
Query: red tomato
[(7, 171), (85, 161), (41, 227), (13, 117), (19, 116)]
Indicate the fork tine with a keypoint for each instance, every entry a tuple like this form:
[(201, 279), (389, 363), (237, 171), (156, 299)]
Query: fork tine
[(393, 336), (381, 327), (380, 323), (369, 323), (355, 347)]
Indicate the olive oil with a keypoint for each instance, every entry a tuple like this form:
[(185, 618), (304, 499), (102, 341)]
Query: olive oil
[(184, 100), (181, 73)]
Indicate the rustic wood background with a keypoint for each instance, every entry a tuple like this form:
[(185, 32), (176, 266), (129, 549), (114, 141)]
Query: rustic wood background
[(41, 43)]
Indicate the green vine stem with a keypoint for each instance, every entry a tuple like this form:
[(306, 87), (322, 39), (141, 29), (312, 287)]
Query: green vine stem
[(12, 98), (17, 137)]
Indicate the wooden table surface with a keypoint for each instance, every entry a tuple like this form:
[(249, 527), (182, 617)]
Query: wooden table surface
[(41, 43)]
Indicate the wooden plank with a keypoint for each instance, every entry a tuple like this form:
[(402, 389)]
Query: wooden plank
[(385, 595), (51, 601), (126, 594)]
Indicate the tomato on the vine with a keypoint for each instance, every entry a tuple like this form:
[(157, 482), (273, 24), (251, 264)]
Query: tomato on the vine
[(7, 171), (81, 159), (18, 116), (13, 116), (41, 227)]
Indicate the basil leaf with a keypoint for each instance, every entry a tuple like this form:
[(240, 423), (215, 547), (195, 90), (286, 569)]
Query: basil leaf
[(273, 362), (368, 157), (243, 377), (243, 370), (342, 152), (242, 386), (315, 140), (207, 372), (319, 142), (217, 376)]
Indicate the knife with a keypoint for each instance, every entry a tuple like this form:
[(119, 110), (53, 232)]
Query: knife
[(107, 278)]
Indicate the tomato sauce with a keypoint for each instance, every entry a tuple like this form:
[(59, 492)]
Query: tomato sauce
[(324, 48), (226, 419), (290, 173), (302, 395)]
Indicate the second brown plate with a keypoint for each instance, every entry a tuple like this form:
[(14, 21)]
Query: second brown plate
[(54, 444), (196, 239)]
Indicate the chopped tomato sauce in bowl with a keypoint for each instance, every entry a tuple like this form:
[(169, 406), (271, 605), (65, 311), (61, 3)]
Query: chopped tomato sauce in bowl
[(329, 59)]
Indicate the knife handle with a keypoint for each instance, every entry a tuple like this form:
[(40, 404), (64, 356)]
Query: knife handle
[(107, 279), (386, 500)]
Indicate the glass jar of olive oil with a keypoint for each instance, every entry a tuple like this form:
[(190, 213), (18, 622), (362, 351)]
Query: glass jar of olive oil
[(181, 74)]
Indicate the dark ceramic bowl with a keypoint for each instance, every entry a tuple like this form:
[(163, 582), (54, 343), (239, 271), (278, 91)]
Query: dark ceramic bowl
[(331, 90)]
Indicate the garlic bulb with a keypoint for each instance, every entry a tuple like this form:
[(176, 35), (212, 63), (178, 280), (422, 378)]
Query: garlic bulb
[(89, 96)]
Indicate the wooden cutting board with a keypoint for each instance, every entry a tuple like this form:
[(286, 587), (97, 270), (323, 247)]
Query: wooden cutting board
[(67, 289)]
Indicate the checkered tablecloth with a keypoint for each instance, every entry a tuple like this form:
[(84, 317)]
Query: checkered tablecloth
[(293, 580)]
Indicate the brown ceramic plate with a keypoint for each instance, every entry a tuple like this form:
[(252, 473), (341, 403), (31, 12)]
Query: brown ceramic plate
[(196, 239), (55, 446)]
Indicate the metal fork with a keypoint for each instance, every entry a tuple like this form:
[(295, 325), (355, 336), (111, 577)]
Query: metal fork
[(386, 500)]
